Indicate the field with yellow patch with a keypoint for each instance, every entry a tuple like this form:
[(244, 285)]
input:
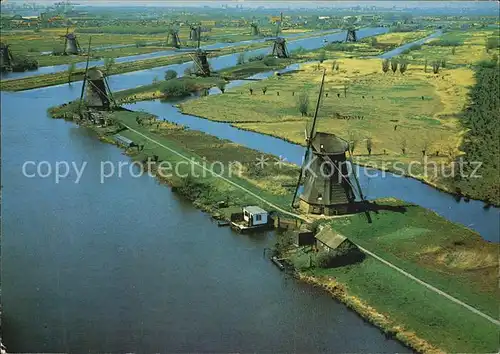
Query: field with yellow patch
[(416, 110), (470, 48)]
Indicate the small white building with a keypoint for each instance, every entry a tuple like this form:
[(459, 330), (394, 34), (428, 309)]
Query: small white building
[(254, 216)]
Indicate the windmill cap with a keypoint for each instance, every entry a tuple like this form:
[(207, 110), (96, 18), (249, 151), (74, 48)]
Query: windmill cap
[(94, 74), (329, 143)]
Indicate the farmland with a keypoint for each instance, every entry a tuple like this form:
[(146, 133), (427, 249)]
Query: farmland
[(403, 116)]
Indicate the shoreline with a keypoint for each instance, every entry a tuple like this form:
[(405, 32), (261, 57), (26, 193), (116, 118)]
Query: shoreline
[(369, 314)]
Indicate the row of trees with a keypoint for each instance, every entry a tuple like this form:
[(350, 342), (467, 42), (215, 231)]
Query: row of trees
[(393, 65)]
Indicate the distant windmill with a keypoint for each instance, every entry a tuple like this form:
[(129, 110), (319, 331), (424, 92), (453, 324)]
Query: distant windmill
[(279, 47), (351, 35), (255, 29), (71, 45), (194, 32), (95, 89), (200, 58), (6, 57), (173, 38), (328, 187)]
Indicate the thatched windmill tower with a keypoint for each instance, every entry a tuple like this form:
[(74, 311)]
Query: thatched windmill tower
[(6, 58), (279, 46), (351, 35), (255, 29), (95, 93), (328, 187), (173, 38), (194, 32), (71, 45)]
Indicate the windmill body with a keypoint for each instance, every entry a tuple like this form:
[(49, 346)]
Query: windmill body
[(194, 33), (6, 58), (327, 189), (96, 94), (351, 35), (255, 29), (173, 38)]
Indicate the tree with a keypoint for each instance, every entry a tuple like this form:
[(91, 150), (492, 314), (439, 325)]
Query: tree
[(394, 65), (189, 71), (403, 143), (353, 142), (385, 65), (71, 71), (264, 90), (345, 89), (222, 86), (333, 65), (241, 59), (303, 103), (170, 74), (374, 41), (337, 66), (322, 56), (369, 145), (443, 63), (108, 64), (435, 66), (453, 50), (425, 66), (403, 66)]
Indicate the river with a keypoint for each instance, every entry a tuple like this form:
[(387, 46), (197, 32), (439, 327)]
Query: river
[(127, 265)]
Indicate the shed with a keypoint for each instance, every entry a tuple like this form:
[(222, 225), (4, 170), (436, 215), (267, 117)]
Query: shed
[(121, 140), (303, 237), (327, 239), (255, 215)]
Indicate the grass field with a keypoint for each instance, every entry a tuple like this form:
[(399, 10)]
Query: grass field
[(416, 110), (447, 256), (470, 48)]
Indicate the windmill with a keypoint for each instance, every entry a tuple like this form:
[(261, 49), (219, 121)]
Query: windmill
[(255, 29), (71, 45), (95, 89), (279, 47), (200, 58), (194, 32), (173, 37), (327, 187), (351, 35), (6, 58)]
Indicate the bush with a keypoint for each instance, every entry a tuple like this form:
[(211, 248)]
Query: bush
[(394, 65), (445, 43), (492, 43), (170, 74), (322, 56), (303, 103), (385, 65), (256, 58), (241, 59), (270, 61), (178, 88)]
